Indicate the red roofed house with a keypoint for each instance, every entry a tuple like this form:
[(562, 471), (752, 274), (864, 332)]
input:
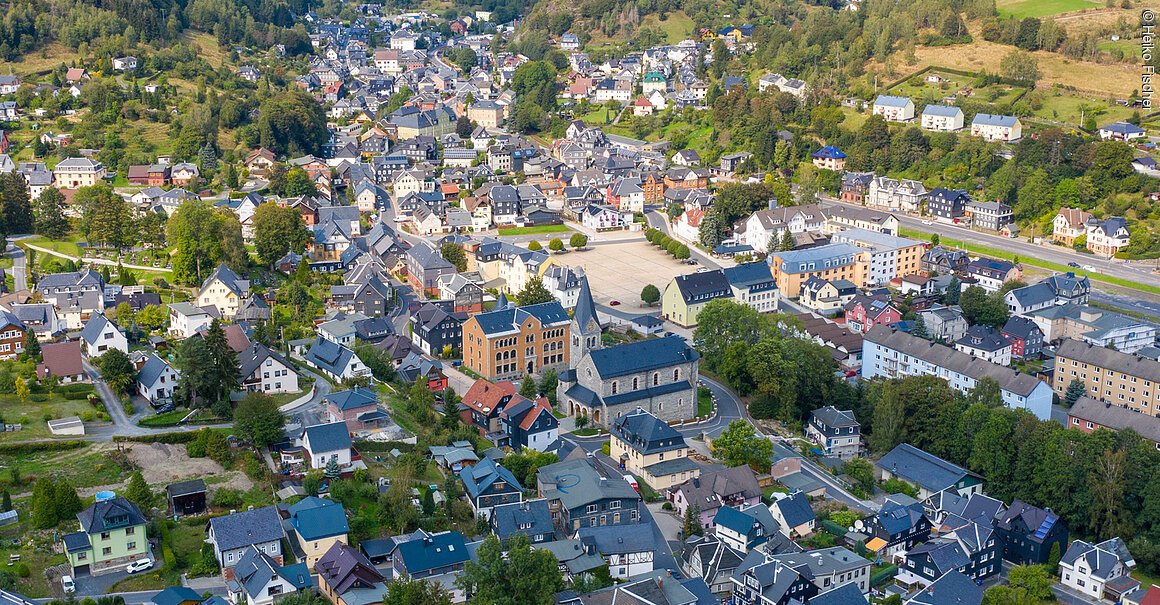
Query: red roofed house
[(485, 401), (259, 162), (641, 107), (863, 313), (529, 424), (688, 225), (63, 360)]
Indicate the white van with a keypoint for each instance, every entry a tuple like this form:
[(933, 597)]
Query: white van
[(66, 583)]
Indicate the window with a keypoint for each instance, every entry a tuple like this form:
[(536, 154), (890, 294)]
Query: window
[(130, 531), (108, 550), (131, 545), (104, 535)]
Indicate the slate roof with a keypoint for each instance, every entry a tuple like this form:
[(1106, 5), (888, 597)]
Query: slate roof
[(228, 278), (95, 327), (1020, 327), (619, 539), (754, 275), (835, 418), (708, 489), (642, 356), (1106, 358), (315, 518), (1123, 128), (506, 519), (479, 478), (892, 101), (511, 318), (185, 488), (703, 287), (329, 356), (246, 528), (798, 261), (1101, 558), (152, 370), (345, 569), (175, 595), (255, 355), (829, 152), (990, 119), (946, 111), (846, 594), (327, 437), (350, 399), (577, 482), (984, 338), (646, 433), (795, 509), (953, 588), (435, 551), (255, 569), (922, 468), (1116, 417), (1034, 295)]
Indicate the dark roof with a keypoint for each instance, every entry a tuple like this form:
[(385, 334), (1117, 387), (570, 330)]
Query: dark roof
[(435, 551), (352, 398), (343, 569), (255, 569), (104, 515), (703, 286), (246, 528), (1116, 417), (953, 588), (478, 478), (76, 541), (511, 318), (1020, 327), (585, 311), (921, 468), (175, 595), (533, 515), (646, 433), (185, 488), (846, 594), (315, 518), (984, 338), (795, 509), (642, 356), (327, 437)]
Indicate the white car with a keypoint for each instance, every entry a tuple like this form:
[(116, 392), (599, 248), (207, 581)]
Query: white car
[(67, 585), (400, 219), (1089, 268), (928, 222), (139, 565)]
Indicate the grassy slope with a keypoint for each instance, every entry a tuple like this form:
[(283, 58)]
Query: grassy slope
[(1043, 8)]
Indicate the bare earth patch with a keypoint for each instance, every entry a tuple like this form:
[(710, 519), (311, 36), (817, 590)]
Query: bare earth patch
[(163, 463)]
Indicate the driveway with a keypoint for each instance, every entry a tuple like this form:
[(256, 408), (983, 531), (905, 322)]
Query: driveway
[(669, 524), (19, 272)]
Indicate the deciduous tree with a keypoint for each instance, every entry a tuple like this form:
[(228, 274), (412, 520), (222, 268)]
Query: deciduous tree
[(277, 231), (258, 419), (740, 444)]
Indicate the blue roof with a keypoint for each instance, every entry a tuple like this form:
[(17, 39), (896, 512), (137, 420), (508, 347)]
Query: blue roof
[(953, 588), (1123, 128), (891, 101), (829, 152), (990, 119), (353, 398), (641, 356), (510, 318), (506, 519), (314, 518), (477, 479), (328, 437), (174, 595), (798, 261), (946, 111), (731, 518), (795, 509), (646, 433), (433, 552)]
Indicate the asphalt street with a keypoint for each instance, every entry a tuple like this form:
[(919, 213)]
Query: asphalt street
[(658, 221), (19, 274)]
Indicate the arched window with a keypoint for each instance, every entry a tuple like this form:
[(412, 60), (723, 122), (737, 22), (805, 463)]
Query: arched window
[(635, 383), (677, 374), (614, 387), (656, 378)]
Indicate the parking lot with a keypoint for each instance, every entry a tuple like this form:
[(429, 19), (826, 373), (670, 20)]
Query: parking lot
[(618, 270)]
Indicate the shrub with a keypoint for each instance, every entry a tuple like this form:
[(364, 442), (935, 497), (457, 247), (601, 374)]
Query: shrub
[(227, 497), (23, 570)]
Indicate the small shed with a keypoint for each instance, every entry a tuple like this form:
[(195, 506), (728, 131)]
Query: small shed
[(9, 517), (187, 497), (72, 425)]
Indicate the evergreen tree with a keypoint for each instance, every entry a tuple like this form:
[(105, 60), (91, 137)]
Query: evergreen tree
[(138, 491), (954, 290), (332, 471), (549, 380), (225, 375), (17, 206), (692, 523), (31, 345), (450, 408), (786, 244), (67, 502), (5, 501), (207, 158), (919, 328), (1075, 390), (44, 514), (528, 387)]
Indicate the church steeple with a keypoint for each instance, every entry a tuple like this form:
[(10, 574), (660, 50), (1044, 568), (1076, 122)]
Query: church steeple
[(585, 328), (501, 303)]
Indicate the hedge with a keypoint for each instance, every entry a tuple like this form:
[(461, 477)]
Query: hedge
[(29, 447), (884, 575), (176, 437), (833, 528)]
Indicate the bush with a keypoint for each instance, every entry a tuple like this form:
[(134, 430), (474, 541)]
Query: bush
[(29, 447), (171, 438), (667, 506), (227, 497), (23, 570), (38, 397)]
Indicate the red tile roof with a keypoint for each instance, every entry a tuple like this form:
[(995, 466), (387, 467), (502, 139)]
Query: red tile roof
[(61, 359)]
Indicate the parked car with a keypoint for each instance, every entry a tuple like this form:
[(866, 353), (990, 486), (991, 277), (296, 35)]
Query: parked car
[(139, 565), (614, 303), (1073, 265), (67, 585), (1089, 268)]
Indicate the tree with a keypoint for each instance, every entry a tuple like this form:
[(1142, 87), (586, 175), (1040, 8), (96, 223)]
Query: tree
[(918, 328), (31, 345), (861, 472), (453, 253), (415, 592), (138, 491), (982, 308), (534, 293), (332, 470), (450, 408), (258, 420), (152, 317), (5, 501), (528, 387), (954, 291), (204, 236), (1107, 484), (555, 245), (224, 375), (67, 501), (1075, 390), (43, 507), (692, 523), (117, 370), (1035, 579), (292, 123), (650, 295), (106, 218), (740, 444), (48, 214), (578, 241), (526, 576), (277, 231), (549, 380), (534, 246), (16, 206), (22, 390), (1021, 66), (195, 366)]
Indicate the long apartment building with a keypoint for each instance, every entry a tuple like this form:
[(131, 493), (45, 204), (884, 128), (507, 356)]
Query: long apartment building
[(1109, 376), (890, 256), (509, 341), (891, 353)]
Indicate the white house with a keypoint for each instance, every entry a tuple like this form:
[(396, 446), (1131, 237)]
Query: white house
[(326, 442), (894, 109), (604, 218), (996, 128), (125, 63), (1122, 131), (185, 319), (688, 225), (335, 360), (100, 335), (156, 380), (266, 371), (1087, 568), (260, 579), (945, 118)]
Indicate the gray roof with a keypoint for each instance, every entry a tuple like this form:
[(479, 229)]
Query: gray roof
[(255, 569), (246, 528), (109, 514), (1103, 357), (953, 588), (95, 327), (646, 433), (327, 437), (1116, 417), (703, 286), (989, 119), (642, 356), (253, 357), (798, 261), (1101, 558), (152, 370), (795, 509), (921, 468), (846, 594), (1033, 295), (507, 519), (946, 111), (577, 483), (619, 539), (891, 101), (833, 417)]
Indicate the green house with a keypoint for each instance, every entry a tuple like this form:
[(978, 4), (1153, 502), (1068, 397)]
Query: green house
[(112, 536)]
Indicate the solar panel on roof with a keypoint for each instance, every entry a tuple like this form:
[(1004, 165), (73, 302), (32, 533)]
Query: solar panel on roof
[(1046, 526)]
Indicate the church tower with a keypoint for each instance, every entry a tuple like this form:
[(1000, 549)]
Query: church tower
[(585, 329)]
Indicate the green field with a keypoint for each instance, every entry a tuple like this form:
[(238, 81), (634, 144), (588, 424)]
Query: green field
[(1067, 108), (1042, 8), (676, 27), (534, 230)]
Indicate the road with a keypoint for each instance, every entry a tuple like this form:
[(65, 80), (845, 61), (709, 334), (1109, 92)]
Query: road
[(19, 272), (951, 234), (656, 220), (136, 598)]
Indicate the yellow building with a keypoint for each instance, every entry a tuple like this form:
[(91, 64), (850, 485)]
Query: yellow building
[(318, 525), (831, 262), (224, 290), (686, 295), (651, 450)]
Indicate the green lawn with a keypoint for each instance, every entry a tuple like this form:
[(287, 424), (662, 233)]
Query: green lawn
[(704, 401), (67, 246), (676, 27), (167, 419), (1042, 8), (534, 230), (1034, 262), (85, 467), (33, 414), (1067, 108)]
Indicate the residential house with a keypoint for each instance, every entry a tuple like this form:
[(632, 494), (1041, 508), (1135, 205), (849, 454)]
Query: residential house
[(830, 262), (156, 380), (658, 375), (415, 366), (894, 109), (898, 526), (841, 218), (794, 514), (735, 486), (62, 360), (990, 274), (112, 535), (651, 450), (1121, 131), (231, 535), (1025, 337), (1107, 237), (488, 485), (1088, 415), (944, 324), (224, 290), (943, 118), (764, 229), (896, 194), (328, 442), (1069, 224), (357, 407), (260, 580), (825, 296), (864, 312), (991, 216), (530, 424), (76, 295), (424, 268), (74, 173), (532, 518), (745, 528), (317, 524), (969, 548), (347, 577), (430, 555), (766, 579), (436, 328), (927, 472), (890, 256), (986, 343), (100, 335), (753, 285), (12, 335), (947, 205), (855, 187), (836, 431), (465, 295), (942, 260), (1090, 569), (685, 296), (585, 493), (1027, 533), (187, 319), (1108, 375), (996, 128), (709, 558), (335, 360), (953, 588), (829, 158)]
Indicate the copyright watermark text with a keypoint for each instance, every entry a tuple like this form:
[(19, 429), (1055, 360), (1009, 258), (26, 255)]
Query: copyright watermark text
[(1147, 46)]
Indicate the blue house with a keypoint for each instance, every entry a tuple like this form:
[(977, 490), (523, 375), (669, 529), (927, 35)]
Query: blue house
[(318, 523), (488, 485), (531, 518), (829, 158), (429, 555)]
